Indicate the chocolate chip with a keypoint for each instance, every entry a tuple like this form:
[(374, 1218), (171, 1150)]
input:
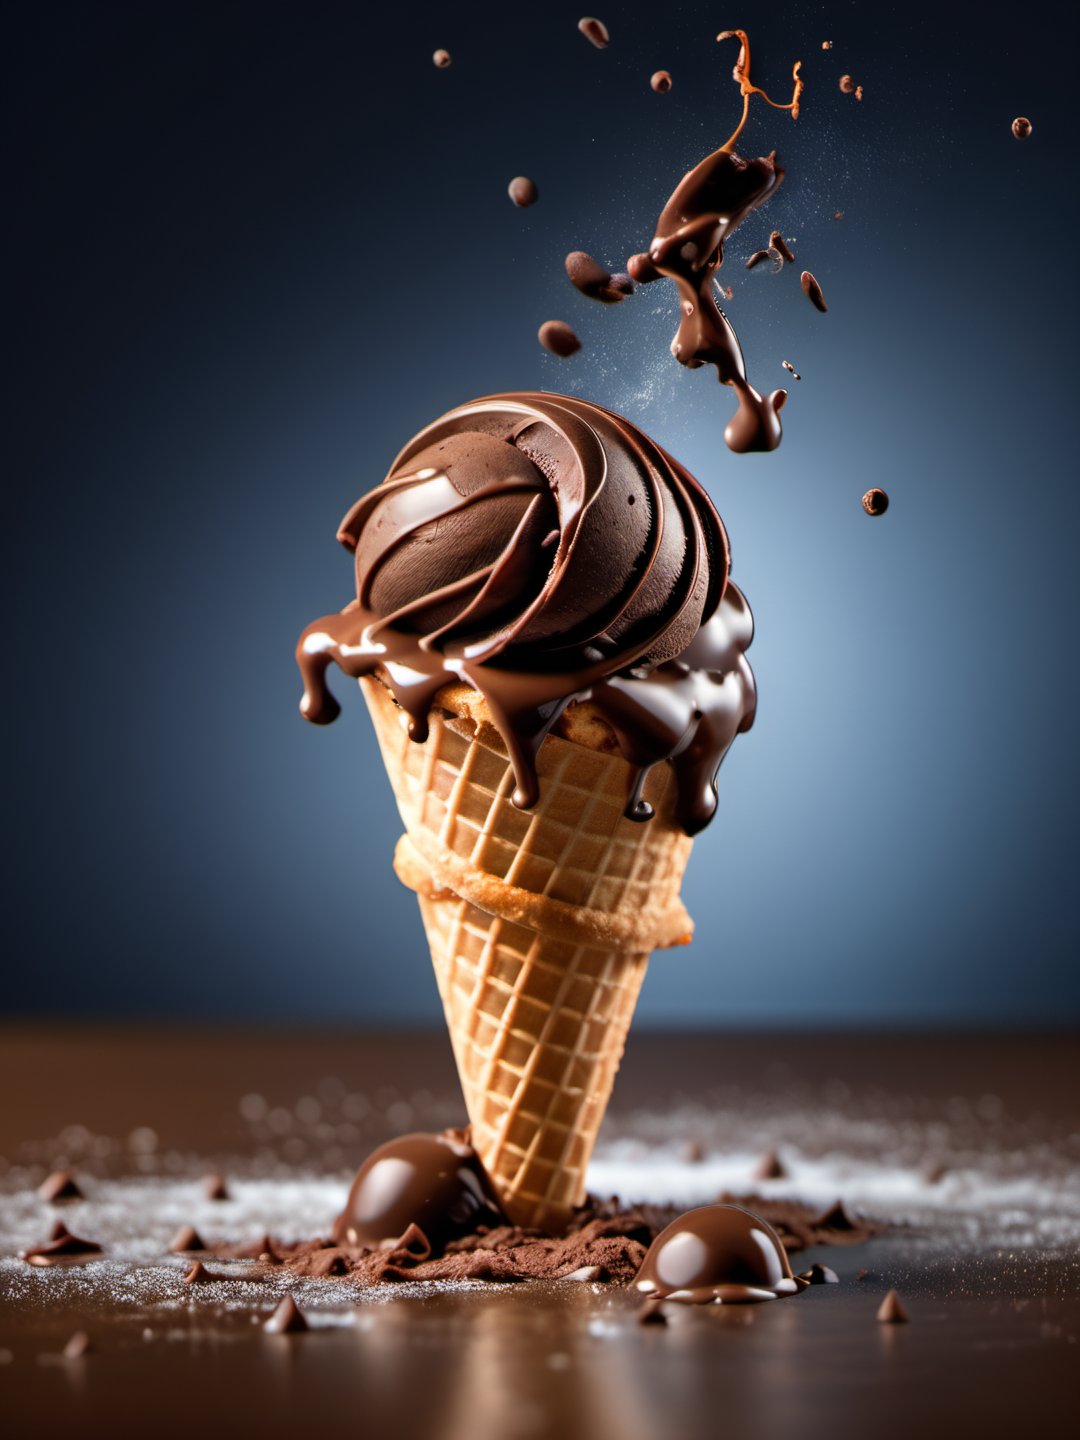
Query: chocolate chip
[(876, 502), (63, 1247), (594, 30), (1021, 127), (214, 1188), (891, 1312), (835, 1218), (287, 1319), (770, 1167), (847, 85), (441, 59), (651, 1314), (186, 1238), (199, 1275), (592, 280), (522, 191), (692, 1153), (821, 1275), (59, 1186), (812, 291), (661, 82), (558, 338)]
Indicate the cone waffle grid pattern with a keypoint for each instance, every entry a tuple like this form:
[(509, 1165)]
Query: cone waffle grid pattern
[(538, 1021)]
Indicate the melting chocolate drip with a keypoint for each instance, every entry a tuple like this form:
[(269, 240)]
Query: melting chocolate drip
[(718, 1254), (544, 550)]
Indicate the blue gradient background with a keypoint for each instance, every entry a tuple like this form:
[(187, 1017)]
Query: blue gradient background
[(252, 247)]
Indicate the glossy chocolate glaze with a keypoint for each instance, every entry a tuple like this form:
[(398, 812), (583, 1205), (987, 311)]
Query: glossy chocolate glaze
[(707, 205), (718, 1254), (434, 1184), (544, 551)]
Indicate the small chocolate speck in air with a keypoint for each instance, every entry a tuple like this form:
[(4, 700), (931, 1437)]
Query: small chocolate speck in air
[(778, 243), (875, 502), (847, 85), (826, 44), (812, 291), (858, 92), (838, 215), (791, 369), (441, 59), (594, 30), (522, 191), (661, 82), (1021, 127), (558, 338)]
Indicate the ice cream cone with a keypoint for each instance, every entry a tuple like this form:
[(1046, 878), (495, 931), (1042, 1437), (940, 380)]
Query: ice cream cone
[(540, 925)]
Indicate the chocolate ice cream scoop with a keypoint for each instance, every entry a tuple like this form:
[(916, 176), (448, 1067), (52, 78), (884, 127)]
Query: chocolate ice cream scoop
[(545, 551), (718, 1254)]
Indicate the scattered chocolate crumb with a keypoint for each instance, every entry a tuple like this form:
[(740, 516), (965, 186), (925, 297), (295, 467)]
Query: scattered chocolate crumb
[(838, 215), (558, 338), (441, 59), (63, 1247), (594, 30), (186, 1238), (287, 1319), (651, 1314), (791, 369), (847, 85), (78, 1346), (822, 1275), (812, 291), (891, 1312), (692, 1153), (770, 1166), (661, 82), (1021, 127), (60, 1186), (835, 1218), (858, 92), (826, 44), (758, 258), (523, 191), (876, 502), (214, 1188), (777, 242), (199, 1275)]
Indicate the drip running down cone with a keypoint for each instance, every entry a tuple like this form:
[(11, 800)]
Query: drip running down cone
[(554, 661)]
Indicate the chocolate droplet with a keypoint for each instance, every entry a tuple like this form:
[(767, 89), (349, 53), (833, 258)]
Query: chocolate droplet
[(431, 1184), (791, 369), (591, 279), (441, 59), (287, 1319), (718, 1254), (1021, 127), (777, 242), (812, 291), (661, 82), (891, 1312), (875, 502), (523, 191), (59, 1186), (847, 85), (558, 338), (594, 30), (642, 270)]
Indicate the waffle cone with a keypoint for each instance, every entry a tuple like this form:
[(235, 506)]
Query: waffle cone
[(540, 925)]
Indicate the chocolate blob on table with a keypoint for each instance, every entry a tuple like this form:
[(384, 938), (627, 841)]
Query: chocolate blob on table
[(433, 1182), (705, 209), (718, 1254), (545, 551)]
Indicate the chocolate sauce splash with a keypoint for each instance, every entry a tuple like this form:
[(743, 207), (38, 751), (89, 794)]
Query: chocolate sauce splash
[(706, 207), (718, 1255), (545, 551)]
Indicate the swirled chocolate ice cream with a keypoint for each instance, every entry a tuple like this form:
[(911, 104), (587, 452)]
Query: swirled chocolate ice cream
[(547, 553)]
